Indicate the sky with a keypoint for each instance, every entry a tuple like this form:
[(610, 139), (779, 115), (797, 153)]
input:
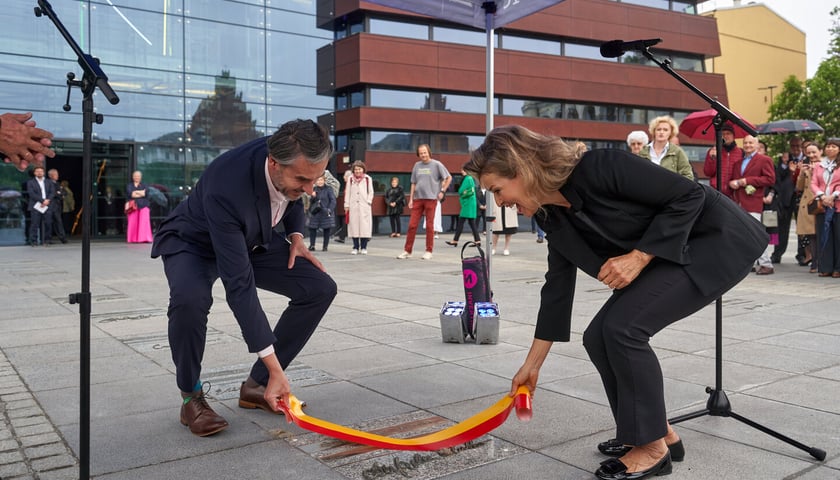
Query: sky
[(810, 16)]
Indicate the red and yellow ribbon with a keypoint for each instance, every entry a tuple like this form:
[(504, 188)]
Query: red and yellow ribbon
[(469, 429)]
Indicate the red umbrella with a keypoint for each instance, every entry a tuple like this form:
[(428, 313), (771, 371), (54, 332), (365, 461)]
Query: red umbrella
[(699, 125)]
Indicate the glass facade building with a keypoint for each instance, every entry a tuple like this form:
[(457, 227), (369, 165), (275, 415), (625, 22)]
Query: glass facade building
[(400, 79), (194, 77)]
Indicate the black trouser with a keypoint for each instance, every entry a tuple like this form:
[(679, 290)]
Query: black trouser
[(57, 224), (617, 341), (313, 235), (396, 225), (35, 220), (191, 279), (785, 215), (460, 228), (828, 244)]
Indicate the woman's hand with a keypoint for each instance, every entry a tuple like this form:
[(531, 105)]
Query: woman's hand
[(618, 272), (527, 376), (529, 372)]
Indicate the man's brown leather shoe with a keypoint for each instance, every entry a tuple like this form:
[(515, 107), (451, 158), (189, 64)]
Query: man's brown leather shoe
[(252, 395), (198, 416)]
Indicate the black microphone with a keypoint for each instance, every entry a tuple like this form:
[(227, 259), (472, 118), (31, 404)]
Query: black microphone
[(617, 48)]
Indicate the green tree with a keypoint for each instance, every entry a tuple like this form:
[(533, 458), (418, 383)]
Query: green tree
[(817, 98)]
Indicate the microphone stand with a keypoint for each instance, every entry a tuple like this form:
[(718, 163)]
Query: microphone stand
[(718, 403), (92, 78)]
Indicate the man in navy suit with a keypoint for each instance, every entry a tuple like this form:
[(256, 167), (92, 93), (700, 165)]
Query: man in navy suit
[(244, 223), (40, 190)]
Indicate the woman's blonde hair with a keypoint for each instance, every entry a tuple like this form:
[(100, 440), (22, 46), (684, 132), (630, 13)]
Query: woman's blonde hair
[(542, 163), (675, 129)]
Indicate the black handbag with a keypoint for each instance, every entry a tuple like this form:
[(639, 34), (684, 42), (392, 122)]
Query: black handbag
[(315, 206)]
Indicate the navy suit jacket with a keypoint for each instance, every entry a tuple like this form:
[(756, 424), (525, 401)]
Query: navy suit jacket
[(628, 202), (34, 191), (227, 217)]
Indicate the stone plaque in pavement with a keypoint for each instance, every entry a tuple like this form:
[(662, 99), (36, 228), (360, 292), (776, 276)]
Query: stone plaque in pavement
[(361, 462), (225, 381), (138, 314), (160, 341)]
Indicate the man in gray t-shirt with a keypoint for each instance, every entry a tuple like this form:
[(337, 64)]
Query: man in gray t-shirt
[(429, 181)]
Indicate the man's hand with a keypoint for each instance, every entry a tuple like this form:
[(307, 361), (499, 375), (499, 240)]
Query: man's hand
[(278, 388), (298, 249), (618, 272), (21, 142)]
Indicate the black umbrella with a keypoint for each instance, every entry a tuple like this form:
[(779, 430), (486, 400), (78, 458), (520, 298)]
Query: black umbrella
[(780, 127)]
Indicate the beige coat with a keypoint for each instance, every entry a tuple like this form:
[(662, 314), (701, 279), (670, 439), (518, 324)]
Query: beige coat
[(805, 223), (507, 219), (358, 198)]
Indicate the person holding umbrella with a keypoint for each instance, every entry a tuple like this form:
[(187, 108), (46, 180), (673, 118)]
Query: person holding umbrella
[(786, 193), (731, 155)]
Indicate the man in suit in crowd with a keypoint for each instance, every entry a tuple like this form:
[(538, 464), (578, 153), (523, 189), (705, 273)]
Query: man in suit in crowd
[(244, 223), (41, 191), (56, 206), (748, 180), (786, 194)]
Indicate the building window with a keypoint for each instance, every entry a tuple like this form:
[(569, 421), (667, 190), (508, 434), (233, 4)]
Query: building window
[(582, 51), (532, 45), (399, 29), (461, 36)]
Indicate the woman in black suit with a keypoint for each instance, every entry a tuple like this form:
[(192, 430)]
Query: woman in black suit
[(667, 247)]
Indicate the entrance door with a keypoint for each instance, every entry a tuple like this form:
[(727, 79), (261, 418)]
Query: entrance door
[(111, 165)]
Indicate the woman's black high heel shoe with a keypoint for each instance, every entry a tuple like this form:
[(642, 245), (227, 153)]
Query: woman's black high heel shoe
[(454, 244), (615, 449), (614, 469)]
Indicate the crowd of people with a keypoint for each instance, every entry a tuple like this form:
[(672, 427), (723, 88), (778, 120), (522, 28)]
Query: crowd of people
[(798, 188)]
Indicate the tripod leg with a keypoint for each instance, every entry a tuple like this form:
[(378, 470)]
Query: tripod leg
[(688, 416), (814, 452)]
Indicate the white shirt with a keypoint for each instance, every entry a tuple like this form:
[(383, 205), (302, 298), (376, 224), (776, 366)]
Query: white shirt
[(657, 159), (41, 184), (279, 202)]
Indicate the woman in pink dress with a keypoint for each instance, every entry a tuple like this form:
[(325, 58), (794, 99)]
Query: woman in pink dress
[(139, 225)]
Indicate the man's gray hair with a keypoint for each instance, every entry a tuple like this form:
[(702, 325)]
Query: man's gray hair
[(300, 137)]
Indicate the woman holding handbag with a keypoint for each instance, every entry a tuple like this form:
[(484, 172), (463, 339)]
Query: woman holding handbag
[(394, 204), (137, 210), (358, 196), (321, 212), (469, 209)]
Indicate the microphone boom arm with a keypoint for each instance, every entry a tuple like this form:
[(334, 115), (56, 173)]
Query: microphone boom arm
[(724, 112)]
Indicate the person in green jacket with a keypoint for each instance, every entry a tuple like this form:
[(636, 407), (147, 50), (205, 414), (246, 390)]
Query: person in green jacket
[(664, 150), (469, 209)]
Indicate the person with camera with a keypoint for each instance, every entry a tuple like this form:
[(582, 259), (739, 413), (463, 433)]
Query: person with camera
[(321, 212), (358, 197), (786, 196)]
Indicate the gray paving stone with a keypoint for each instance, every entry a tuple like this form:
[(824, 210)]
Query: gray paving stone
[(381, 356), (13, 470), (10, 457), (52, 462)]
